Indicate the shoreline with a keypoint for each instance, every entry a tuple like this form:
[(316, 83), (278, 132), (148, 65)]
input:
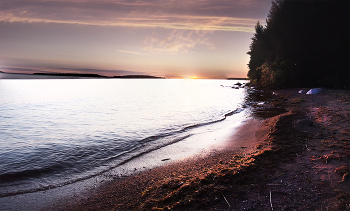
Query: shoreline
[(240, 148), (54, 198), (292, 165)]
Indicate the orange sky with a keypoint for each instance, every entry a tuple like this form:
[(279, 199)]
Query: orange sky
[(171, 38)]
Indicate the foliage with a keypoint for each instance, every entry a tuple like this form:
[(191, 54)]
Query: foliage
[(311, 36), (256, 53), (274, 75)]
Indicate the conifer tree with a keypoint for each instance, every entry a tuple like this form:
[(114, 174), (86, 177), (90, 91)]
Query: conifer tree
[(304, 43)]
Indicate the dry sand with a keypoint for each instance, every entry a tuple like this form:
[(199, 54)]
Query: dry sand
[(298, 160)]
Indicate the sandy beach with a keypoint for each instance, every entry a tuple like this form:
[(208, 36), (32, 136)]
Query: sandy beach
[(298, 160)]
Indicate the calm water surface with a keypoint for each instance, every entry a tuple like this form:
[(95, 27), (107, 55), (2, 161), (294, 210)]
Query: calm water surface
[(56, 132)]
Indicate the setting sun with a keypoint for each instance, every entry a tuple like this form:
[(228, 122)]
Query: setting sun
[(191, 77)]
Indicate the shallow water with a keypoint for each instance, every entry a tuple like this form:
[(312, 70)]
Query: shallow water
[(57, 132)]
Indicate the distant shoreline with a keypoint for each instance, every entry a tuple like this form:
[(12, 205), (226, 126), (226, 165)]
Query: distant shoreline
[(4, 75)]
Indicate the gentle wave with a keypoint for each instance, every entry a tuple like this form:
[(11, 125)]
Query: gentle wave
[(144, 146), (57, 132), (25, 174)]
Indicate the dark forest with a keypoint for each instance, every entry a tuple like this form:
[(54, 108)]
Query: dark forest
[(303, 44)]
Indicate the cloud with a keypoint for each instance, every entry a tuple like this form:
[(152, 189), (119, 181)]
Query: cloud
[(225, 15), (179, 41), (132, 52), (19, 69)]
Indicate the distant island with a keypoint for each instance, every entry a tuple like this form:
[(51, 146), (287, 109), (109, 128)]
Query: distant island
[(72, 75), (95, 75), (137, 76), (38, 75), (87, 75)]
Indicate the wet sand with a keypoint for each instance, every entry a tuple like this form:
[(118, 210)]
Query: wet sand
[(286, 164), (281, 163), (123, 193), (204, 141)]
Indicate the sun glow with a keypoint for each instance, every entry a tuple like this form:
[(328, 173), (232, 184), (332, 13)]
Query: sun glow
[(190, 77)]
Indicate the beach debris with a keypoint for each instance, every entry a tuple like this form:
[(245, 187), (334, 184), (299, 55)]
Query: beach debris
[(315, 91), (302, 92), (271, 201), (238, 84), (346, 175), (343, 171), (226, 200), (165, 159)]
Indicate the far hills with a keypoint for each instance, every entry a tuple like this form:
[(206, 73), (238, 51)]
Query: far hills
[(95, 75)]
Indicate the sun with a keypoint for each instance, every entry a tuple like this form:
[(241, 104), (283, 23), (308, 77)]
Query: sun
[(191, 77)]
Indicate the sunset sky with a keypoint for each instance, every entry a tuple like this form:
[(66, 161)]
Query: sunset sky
[(169, 38)]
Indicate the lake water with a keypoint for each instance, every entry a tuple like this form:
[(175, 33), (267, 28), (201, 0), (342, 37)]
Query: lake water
[(59, 131)]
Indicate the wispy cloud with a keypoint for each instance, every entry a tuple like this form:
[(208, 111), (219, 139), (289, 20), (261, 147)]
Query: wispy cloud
[(20, 69), (132, 52), (194, 14), (179, 41)]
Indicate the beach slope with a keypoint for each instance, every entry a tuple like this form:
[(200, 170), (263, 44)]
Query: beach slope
[(298, 160)]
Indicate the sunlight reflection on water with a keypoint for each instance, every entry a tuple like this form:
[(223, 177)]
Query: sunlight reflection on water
[(54, 131)]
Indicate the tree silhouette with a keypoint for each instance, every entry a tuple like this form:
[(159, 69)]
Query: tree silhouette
[(256, 52), (304, 43)]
